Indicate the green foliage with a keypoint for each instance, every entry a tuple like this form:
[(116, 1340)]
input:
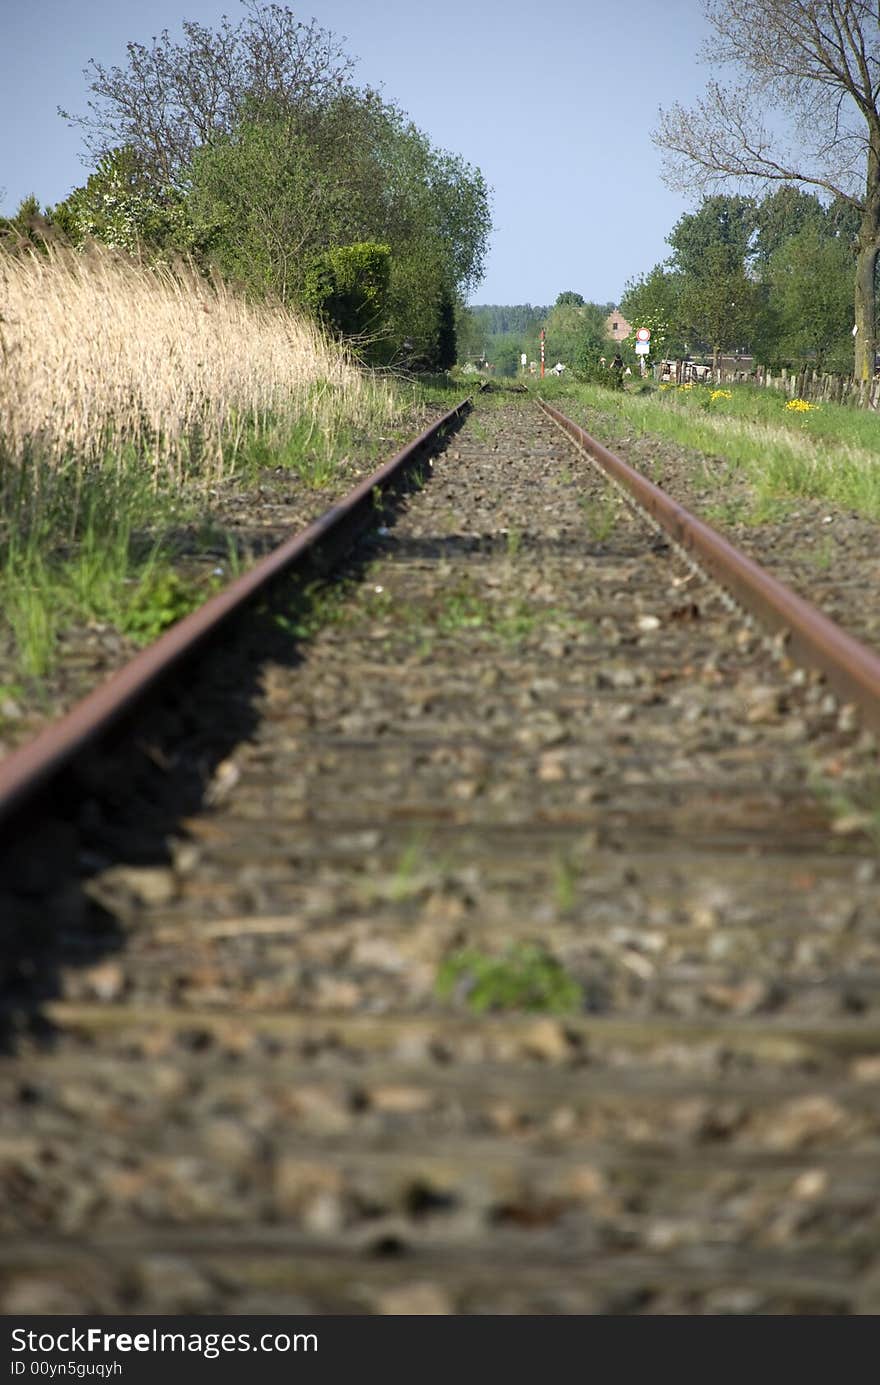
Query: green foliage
[(160, 599), (495, 319), (499, 334), (121, 206), (724, 226), (348, 287), (436, 219), (71, 559), (601, 514), (719, 305), (504, 352), (28, 227), (526, 977), (783, 214), (576, 333), (773, 276), (715, 299), (447, 342), (281, 195), (810, 279)]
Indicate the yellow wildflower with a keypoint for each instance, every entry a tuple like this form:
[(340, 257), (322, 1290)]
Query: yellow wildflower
[(720, 394), (800, 406)]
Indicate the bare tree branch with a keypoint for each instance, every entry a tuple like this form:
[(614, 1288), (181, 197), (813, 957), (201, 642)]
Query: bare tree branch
[(171, 98)]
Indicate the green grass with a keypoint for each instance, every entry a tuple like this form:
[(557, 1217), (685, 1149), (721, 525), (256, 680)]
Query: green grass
[(565, 877), (98, 551), (601, 514), (829, 453), (410, 872), (100, 544), (513, 542), (508, 622), (460, 610), (525, 977), (821, 556), (301, 449), (160, 598), (315, 606)]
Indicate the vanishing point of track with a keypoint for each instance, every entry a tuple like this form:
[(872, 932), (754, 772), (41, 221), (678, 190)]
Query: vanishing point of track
[(519, 715)]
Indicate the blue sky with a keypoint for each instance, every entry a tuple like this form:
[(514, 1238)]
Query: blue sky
[(553, 102)]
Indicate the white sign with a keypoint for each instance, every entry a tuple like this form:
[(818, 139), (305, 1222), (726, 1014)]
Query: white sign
[(643, 334), (642, 348), (523, 358)]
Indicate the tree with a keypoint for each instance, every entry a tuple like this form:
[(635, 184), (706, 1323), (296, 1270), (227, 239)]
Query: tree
[(171, 98), (715, 297), (29, 228), (569, 299), (280, 197), (283, 197), (504, 352), (576, 332), (816, 63), (810, 277), (252, 138), (433, 210), (726, 224), (720, 304), (783, 214), (471, 334)]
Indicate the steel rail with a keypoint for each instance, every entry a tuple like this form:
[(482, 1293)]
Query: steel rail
[(26, 770), (850, 667)]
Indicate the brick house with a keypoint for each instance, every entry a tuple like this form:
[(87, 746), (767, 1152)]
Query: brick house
[(616, 326)]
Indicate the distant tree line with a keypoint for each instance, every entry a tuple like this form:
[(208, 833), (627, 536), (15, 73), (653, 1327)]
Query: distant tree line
[(770, 277), (250, 149), (500, 335)]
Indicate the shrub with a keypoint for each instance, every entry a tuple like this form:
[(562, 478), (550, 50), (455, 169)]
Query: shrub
[(348, 287)]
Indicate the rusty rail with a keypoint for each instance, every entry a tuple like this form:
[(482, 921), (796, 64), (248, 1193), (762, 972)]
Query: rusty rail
[(26, 770), (851, 668)]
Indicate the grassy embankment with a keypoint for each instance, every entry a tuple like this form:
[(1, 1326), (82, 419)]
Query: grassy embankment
[(785, 454), (127, 396)]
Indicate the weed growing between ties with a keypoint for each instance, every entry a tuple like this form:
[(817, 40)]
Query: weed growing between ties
[(601, 514), (506, 622), (525, 977), (852, 810)]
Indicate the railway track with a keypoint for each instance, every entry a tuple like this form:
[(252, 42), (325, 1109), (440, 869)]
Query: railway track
[(517, 720)]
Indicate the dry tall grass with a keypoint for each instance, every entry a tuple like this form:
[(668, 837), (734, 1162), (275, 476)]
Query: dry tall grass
[(100, 354)]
